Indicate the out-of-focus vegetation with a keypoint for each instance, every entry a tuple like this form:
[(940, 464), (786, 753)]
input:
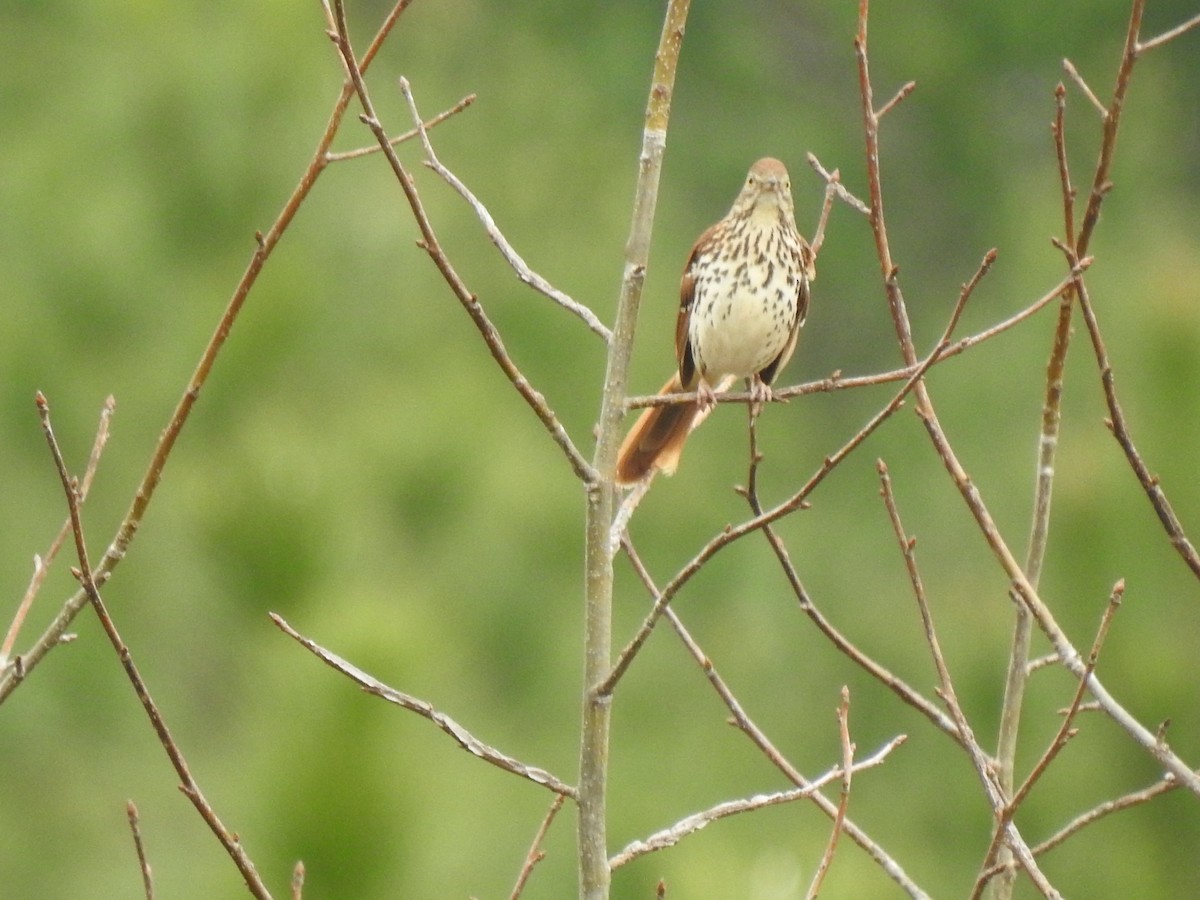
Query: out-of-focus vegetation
[(357, 464)]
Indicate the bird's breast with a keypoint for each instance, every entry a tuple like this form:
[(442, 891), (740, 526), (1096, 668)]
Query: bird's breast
[(745, 306)]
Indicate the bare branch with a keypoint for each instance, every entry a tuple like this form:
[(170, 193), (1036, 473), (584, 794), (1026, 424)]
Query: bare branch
[(406, 136), (832, 179), (84, 574), (298, 880), (1120, 430), (11, 676), (1066, 730), (748, 727), (843, 714), (510, 255), (536, 854), (668, 837), (1070, 69), (41, 564), (131, 811), (430, 244), (1168, 783), (460, 735), (900, 95), (1175, 32)]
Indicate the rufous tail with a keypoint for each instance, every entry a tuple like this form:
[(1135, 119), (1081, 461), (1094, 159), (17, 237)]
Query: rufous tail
[(656, 439)]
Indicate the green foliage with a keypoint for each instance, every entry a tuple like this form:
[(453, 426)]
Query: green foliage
[(357, 464)]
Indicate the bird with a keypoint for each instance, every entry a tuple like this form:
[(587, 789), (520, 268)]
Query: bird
[(742, 299)]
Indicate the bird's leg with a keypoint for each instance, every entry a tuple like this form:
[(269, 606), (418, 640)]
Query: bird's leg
[(705, 398)]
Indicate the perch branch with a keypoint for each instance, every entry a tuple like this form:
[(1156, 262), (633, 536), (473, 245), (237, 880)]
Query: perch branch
[(838, 381)]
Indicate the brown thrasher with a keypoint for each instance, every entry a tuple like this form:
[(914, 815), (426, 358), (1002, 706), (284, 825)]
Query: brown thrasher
[(743, 298)]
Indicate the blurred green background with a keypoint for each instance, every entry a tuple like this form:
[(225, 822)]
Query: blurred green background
[(357, 464)]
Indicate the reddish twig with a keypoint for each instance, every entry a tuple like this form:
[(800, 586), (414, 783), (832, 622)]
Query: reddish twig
[(430, 244), (41, 564), (536, 854), (264, 245), (131, 811), (843, 715), (86, 577), (1119, 427)]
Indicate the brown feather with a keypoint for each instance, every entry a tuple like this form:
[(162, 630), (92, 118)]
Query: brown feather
[(656, 439)]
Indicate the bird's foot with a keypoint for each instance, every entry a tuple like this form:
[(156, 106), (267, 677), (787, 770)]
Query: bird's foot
[(760, 394)]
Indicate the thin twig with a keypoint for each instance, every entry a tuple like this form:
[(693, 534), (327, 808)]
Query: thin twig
[(11, 676), (1027, 593), (460, 735), (833, 179), (507, 251), (899, 96), (131, 811), (1066, 729), (41, 564), (1111, 125), (298, 880), (1135, 798), (843, 715), (430, 244), (84, 573), (1120, 430), (1127, 801), (1070, 69), (536, 854), (749, 728), (831, 192), (1175, 32), (406, 136), (668, 837)]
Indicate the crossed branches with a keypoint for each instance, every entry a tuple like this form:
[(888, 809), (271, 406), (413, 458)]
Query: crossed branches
[(608, 523)]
